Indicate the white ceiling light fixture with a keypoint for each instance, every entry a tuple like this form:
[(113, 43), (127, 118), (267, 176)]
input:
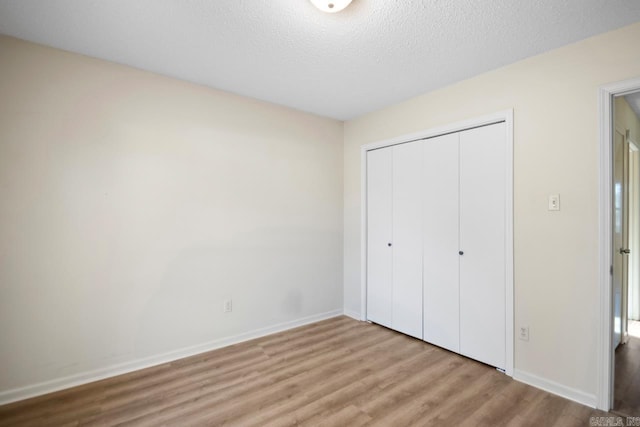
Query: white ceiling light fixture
[(331, 6)]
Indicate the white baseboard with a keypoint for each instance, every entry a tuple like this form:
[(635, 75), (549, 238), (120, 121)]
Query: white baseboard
[(352, 314), (555, 388), (38, 389)]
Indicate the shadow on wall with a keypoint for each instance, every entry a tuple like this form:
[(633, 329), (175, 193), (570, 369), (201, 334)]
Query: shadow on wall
[(272, 275)]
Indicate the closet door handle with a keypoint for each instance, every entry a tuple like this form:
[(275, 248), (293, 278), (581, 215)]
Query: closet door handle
[(625, 251), (388, 244), (460, 253)]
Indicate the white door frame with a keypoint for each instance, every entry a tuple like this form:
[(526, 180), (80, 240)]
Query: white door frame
[(505, 116), (605, 357)]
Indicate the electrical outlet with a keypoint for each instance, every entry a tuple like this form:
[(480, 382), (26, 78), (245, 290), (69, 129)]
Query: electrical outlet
[(524, 333), (228, 306)]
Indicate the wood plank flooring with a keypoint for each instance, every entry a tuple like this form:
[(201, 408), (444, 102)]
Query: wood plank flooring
[(338, 372), (627, 378)]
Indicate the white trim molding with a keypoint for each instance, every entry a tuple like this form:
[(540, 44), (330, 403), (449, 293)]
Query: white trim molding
[(555, 388), (505, 116), (604, 370), (353, 314), (57, 384)]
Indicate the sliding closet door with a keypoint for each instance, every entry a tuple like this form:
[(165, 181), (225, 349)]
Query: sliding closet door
[(379, 236), (482, 239), (440, 241), (407, 238)]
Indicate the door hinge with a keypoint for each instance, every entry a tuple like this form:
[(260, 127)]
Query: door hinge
[(611, 270)]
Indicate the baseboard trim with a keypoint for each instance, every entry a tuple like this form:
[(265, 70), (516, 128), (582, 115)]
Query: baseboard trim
[(17, 394), (352, 314), (555, 388)]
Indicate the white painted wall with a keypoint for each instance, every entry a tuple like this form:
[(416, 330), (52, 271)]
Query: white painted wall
[(554, 97), (132, 205)]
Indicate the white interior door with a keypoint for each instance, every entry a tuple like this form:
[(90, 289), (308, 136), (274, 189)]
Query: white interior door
[(482, 241), (440, 241), (379, 236), (620, 238), (634, 232), (407, 239)]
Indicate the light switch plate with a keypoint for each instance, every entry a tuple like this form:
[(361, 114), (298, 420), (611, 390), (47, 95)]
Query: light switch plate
[(554, 202)]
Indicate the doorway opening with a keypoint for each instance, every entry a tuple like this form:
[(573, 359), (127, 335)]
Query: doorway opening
[(619, 366), (625, 254)]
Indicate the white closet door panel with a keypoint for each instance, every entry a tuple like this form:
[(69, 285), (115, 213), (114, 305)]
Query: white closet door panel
[(407, 239), (482, 238), (379, 235), (440, 241)]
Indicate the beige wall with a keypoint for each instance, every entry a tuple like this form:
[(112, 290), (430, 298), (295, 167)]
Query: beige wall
[(554, 97), (132, 205)]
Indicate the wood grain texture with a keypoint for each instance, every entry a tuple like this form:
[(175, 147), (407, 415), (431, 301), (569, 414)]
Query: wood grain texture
[(627, 378), (338, 372)]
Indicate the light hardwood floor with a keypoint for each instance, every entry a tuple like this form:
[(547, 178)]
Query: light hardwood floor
[(336, 372)]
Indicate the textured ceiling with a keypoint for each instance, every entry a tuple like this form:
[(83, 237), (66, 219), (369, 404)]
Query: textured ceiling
[(372, 54)]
